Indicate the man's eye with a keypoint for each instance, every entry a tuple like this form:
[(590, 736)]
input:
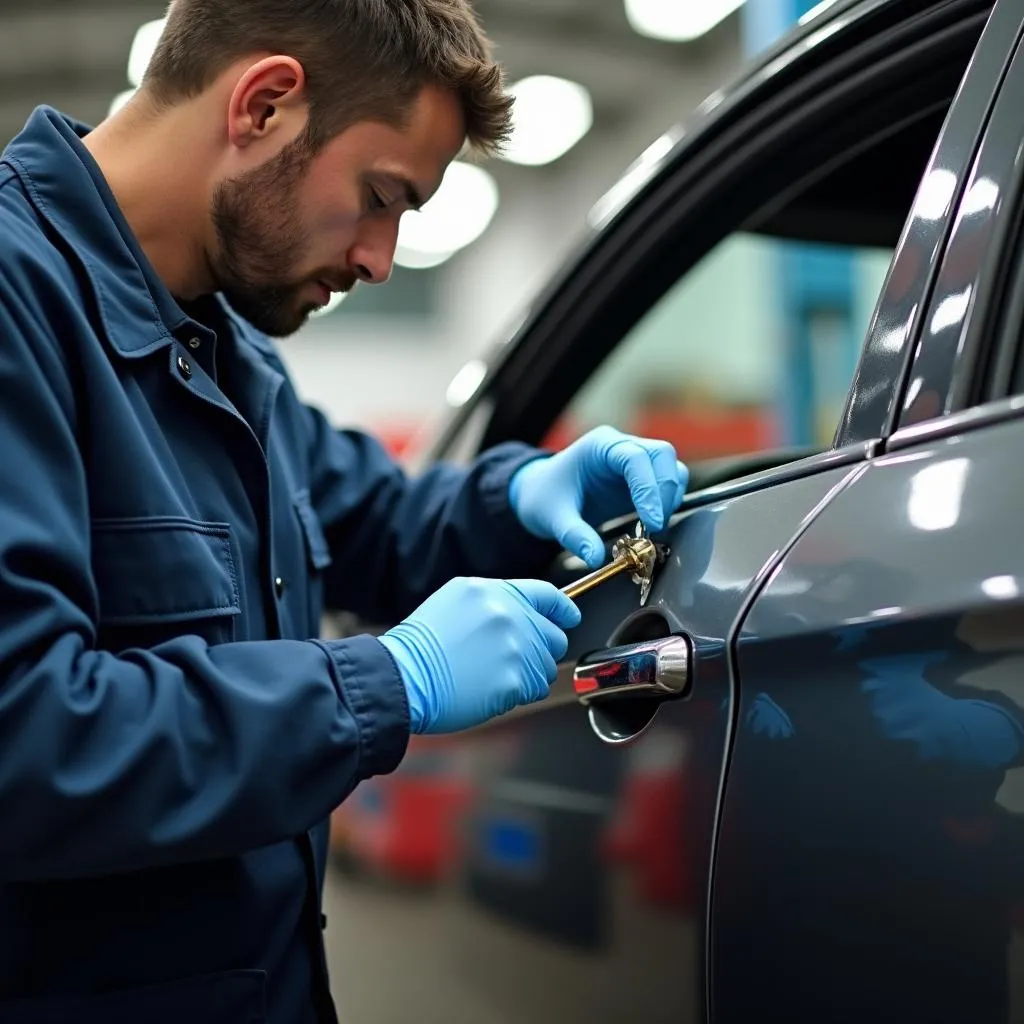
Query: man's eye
[(377, 201)]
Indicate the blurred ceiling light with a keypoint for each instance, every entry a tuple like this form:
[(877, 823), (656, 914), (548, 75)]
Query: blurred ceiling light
[(142, 49), (119, 101), (549, 117), (457, 214), (678, 20), (336, 299), (415, 260)]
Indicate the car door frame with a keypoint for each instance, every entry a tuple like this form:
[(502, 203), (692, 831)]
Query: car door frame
[(898, 342), (872, 395), (967, 352), (577, 306)]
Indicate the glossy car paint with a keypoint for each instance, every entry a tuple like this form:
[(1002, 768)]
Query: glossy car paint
[(871, 859), (873, 406), (636, 203), (986, 224), (824, 830), (584, 868)]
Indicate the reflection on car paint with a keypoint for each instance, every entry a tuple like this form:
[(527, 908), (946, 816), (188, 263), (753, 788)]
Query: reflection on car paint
[(583, 864), (884, 835)]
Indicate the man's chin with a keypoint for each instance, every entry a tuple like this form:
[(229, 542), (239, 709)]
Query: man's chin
[(277, 320)]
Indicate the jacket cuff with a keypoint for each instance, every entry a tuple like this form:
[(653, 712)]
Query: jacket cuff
[(371, 687), (522, 547)]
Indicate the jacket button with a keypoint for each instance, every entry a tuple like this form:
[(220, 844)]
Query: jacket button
[(194, 343), (184, 367), (279, 587)]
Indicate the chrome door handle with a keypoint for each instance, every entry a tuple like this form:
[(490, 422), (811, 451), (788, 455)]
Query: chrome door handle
[(651, 668)]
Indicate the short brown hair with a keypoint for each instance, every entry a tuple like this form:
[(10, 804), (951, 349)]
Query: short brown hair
[(364, 59)]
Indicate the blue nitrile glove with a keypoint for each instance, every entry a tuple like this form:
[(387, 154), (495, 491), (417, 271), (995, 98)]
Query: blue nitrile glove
[(603, 475), (478, 648)]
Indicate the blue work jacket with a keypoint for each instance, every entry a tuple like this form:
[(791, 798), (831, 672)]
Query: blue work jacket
[(173, 522)]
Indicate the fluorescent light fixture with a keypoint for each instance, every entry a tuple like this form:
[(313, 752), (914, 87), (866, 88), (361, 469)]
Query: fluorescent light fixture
[(456, 215), (119, 101), (678, 21), (549, 117), (142, 49)]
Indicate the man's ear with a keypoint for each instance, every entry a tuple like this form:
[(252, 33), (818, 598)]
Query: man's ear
[(269, 98)]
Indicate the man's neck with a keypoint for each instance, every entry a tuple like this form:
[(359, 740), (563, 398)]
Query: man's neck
[(145, 159)]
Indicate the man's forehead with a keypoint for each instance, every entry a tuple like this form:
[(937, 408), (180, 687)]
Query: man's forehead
[(418, 152), (415, 166)]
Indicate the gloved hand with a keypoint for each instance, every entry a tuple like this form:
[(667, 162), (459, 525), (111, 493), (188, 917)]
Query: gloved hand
[(478, 648), (602, 475)]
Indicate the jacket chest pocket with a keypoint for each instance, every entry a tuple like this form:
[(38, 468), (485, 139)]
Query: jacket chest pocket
[(162, 577)]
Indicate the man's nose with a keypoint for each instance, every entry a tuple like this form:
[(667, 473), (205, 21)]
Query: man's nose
[(373, 254)]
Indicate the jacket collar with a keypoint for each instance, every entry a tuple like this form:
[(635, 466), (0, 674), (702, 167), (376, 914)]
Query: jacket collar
[(69, 191)]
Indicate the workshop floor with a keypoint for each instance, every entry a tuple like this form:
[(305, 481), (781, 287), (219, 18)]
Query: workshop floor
[(385, 957), (392, 949), (400, 955)]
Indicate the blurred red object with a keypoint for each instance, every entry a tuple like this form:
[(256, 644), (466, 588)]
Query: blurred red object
[(395, 437), (404, 826)]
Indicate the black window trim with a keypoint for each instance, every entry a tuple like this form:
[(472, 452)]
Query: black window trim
[(992, 360), (674, 201), (969, 363), (977, 417)]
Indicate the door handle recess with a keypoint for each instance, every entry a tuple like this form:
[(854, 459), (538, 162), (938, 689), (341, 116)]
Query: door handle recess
[(651, 668)]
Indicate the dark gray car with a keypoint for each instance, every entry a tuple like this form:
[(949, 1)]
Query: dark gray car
[(826, 825)]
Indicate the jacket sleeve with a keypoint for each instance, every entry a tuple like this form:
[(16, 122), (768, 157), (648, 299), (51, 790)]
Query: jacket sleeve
[(181, 752), (395, 539)]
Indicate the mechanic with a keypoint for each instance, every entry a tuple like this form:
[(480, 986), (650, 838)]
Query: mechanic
[(173, 520)]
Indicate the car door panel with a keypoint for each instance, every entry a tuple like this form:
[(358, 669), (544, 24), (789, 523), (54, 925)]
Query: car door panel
[(566, 880), (583, 867), (869, 863)]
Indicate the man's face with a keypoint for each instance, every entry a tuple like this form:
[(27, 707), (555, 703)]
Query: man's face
[(296, 229)]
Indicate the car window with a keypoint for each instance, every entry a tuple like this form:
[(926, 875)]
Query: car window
[(734, 359)]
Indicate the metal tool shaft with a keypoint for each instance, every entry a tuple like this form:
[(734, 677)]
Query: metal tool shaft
[(634, 555), (606, 572)]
